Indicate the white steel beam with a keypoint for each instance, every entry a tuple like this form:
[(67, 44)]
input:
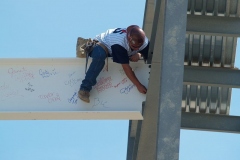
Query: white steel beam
[(48, 89)]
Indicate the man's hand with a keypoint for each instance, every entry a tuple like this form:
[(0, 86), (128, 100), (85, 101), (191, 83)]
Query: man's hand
[(142, 89), (130, 74), (135, 57)]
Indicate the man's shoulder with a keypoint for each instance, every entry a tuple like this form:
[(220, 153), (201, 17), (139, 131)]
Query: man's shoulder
[(118, 39)]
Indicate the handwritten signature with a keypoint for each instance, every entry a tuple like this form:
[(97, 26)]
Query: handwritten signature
[(127, 89), (10, 94), (20, 74), (50, 97), (29, 87), (122, 82), (103, 84), (71, 82), (99, 102), (46, 73), (73, 99)]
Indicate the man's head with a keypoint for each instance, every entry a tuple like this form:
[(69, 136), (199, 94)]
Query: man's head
[(135, 37)]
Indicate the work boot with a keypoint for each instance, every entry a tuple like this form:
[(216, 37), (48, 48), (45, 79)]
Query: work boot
[(84, 95)]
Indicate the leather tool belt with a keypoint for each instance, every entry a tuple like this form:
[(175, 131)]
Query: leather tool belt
[(85, 47)]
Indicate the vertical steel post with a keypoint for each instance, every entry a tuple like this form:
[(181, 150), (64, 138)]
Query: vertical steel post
[(160, 132)]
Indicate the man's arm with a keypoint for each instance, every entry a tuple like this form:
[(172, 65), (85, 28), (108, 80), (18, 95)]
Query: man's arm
[(135, 57), (131, 75)]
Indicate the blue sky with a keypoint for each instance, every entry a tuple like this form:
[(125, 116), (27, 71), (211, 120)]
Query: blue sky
[(49, 28)]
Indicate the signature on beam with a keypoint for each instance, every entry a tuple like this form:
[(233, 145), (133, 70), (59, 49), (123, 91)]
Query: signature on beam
[(73, 99), (10, 94), (99, 102), (127, 89), (47, 73), (21, 74), (29, 87), (71, 82), (50, 97)]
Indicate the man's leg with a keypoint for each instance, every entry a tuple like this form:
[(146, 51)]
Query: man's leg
[(98, 60)]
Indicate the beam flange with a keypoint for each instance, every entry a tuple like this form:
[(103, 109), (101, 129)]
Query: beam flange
[(213, 25), (210, 122), (211, 76)]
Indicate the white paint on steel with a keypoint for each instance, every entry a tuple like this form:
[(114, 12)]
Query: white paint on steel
[(47, 89)]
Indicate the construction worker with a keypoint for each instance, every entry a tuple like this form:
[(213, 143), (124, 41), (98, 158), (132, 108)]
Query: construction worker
[(122, 44)]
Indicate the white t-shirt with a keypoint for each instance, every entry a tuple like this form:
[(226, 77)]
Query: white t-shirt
[(116, 42)]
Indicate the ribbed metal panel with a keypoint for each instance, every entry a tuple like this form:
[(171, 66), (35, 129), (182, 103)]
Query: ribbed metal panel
[(206, 99), (229, 8), (209, 51)]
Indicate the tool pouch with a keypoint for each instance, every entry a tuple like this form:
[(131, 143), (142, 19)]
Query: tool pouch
[(84, 47)]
